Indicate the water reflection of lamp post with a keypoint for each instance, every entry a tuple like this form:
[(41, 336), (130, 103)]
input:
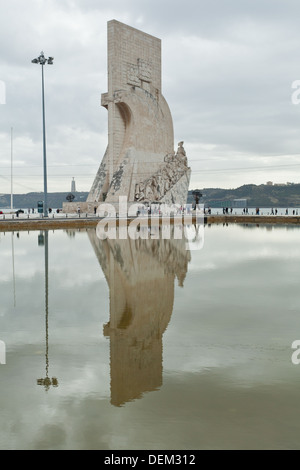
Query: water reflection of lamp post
[(46, 381), (42, 60), (11, 171), (13, 265)]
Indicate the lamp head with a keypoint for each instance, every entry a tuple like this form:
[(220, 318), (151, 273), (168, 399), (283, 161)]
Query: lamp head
[(42, 60)]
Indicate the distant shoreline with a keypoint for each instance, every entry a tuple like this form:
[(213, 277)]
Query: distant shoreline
[(278, 196)]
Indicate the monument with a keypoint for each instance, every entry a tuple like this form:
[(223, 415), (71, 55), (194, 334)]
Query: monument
[(140, 161)]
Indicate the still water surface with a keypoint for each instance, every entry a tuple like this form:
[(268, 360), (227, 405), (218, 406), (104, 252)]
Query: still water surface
[(146, 345)]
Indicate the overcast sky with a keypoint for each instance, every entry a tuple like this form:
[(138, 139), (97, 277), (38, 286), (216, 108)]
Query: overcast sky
[(228, 67)]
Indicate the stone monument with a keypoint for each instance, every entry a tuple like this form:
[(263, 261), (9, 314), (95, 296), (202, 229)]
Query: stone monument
[(140, 162)]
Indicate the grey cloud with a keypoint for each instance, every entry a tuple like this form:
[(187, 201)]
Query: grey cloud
[(227, 68)]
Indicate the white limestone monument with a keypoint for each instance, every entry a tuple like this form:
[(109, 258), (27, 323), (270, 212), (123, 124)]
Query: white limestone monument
[(140, 162)]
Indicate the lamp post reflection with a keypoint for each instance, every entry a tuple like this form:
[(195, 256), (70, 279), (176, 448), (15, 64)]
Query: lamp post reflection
[(46, 381), (13, 266)]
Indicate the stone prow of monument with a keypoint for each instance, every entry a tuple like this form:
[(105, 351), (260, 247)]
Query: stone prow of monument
[(140, 162)]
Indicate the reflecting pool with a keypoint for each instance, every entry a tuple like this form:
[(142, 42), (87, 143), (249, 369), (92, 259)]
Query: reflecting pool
[(147, 344)]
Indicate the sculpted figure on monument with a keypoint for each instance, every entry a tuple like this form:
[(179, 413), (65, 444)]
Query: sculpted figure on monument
[(155, 187), (148, 190), (171, 172), (169, 158), (160, 185), (139, 191), (166, 179), (181, 152)]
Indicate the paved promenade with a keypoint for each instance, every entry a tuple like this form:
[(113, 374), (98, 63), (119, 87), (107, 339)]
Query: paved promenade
[(10, 222)]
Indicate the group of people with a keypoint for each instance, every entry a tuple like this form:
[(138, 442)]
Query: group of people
[(275, 211), (294, 212), (32, 211), (226, 210), (157, 209), (50, 210)]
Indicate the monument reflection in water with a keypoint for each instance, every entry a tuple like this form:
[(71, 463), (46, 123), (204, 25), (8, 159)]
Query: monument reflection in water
[(141, 275)]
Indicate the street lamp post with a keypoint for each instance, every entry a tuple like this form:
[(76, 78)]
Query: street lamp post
[(42, 60)]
